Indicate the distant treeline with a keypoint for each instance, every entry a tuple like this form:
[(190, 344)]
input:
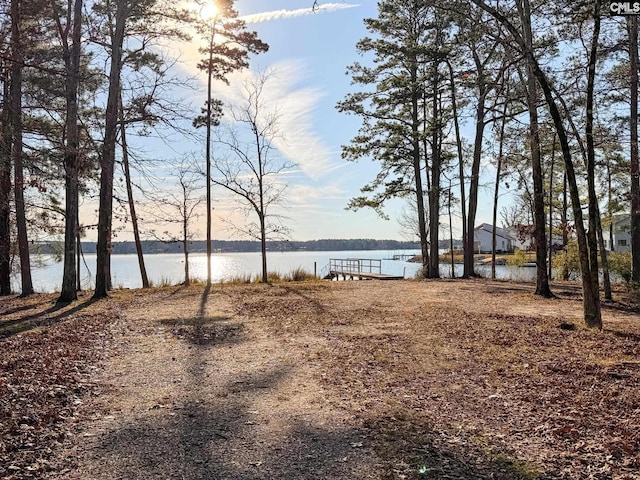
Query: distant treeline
[(197, 246)]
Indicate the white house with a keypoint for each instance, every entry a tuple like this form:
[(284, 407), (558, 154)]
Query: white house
[(621, 234), (482, 239)]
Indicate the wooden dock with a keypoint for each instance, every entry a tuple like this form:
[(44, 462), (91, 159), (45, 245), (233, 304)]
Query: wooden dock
[(358, 268)]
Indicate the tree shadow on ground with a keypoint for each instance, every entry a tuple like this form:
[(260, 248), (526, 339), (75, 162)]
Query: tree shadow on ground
[(224, 439), (22, 307), (40, 318), (311, 300), (206, 332)]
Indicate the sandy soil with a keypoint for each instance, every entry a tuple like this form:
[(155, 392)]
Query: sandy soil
[(353, 380)]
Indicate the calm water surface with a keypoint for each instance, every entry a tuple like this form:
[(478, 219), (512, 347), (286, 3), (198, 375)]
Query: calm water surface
[(169, 268)]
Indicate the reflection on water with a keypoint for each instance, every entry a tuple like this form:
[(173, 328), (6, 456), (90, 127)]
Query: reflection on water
[(169, 268)]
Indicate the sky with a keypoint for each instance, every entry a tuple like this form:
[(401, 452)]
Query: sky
[(309, 52)]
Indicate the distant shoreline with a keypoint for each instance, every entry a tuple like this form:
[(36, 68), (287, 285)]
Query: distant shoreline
[(238, 246)]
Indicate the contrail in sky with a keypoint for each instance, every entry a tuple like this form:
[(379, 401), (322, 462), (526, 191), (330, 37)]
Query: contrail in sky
[(280, 14)]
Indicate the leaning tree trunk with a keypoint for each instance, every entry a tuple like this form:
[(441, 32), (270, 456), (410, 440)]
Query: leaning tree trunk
[(590, 298), (132, 205)]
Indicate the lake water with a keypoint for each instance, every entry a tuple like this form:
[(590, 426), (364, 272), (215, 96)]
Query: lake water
[(169, 268)]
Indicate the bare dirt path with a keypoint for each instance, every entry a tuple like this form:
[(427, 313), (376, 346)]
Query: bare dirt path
[(200, 391)]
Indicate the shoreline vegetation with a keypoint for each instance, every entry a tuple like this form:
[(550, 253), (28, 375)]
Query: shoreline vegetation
[(337, 380)]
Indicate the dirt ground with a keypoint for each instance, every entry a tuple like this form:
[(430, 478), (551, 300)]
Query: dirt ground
[(320, 380)]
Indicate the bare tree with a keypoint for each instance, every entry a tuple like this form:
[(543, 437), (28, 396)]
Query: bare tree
[(179, 207), (253, 169)]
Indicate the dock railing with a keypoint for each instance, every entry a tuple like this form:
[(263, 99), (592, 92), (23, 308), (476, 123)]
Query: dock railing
[(355, 265)]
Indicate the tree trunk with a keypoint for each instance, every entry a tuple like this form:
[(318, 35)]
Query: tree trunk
[(463, 200), (78, 258), (107, 162), (565, 228), (71, 272), (469, 243), (15, 112), (496, 191), (606, 277), (185, 238), (263, 248), (610, 208), (632, 26), (542, 279), (208, 151), (553, 161), (453, 263), (594, 210), (5, 195), (434, 191), (132, 206), (417, 171), (591, 300)]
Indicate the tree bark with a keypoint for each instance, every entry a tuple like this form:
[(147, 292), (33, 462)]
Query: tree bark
[(565, 228), (70, 275), (542, 279), (5, 195), (107, 162), (550, 245), (496, 192), (463, 200), (15, 112), (434, 191), (185, 236), (417, 170), (469, 243), (632, 26)]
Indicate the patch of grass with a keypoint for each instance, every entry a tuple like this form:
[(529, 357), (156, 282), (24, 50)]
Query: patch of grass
[(163, 282), (240, 279), (520, 469), (272, 277), (301, 275)]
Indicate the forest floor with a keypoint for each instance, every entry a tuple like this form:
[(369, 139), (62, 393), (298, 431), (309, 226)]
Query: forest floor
[(472, 379)]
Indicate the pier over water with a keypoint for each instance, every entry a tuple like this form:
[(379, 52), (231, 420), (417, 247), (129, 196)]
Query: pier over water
[(358, 268)]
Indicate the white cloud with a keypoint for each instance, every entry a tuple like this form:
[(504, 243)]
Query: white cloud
[(285, 14), (295, 106)]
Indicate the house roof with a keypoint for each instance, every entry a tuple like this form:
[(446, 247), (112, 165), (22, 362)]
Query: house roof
[(620, 219), (500, 232)]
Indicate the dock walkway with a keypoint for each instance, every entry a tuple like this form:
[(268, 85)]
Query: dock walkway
[(358, 268)]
